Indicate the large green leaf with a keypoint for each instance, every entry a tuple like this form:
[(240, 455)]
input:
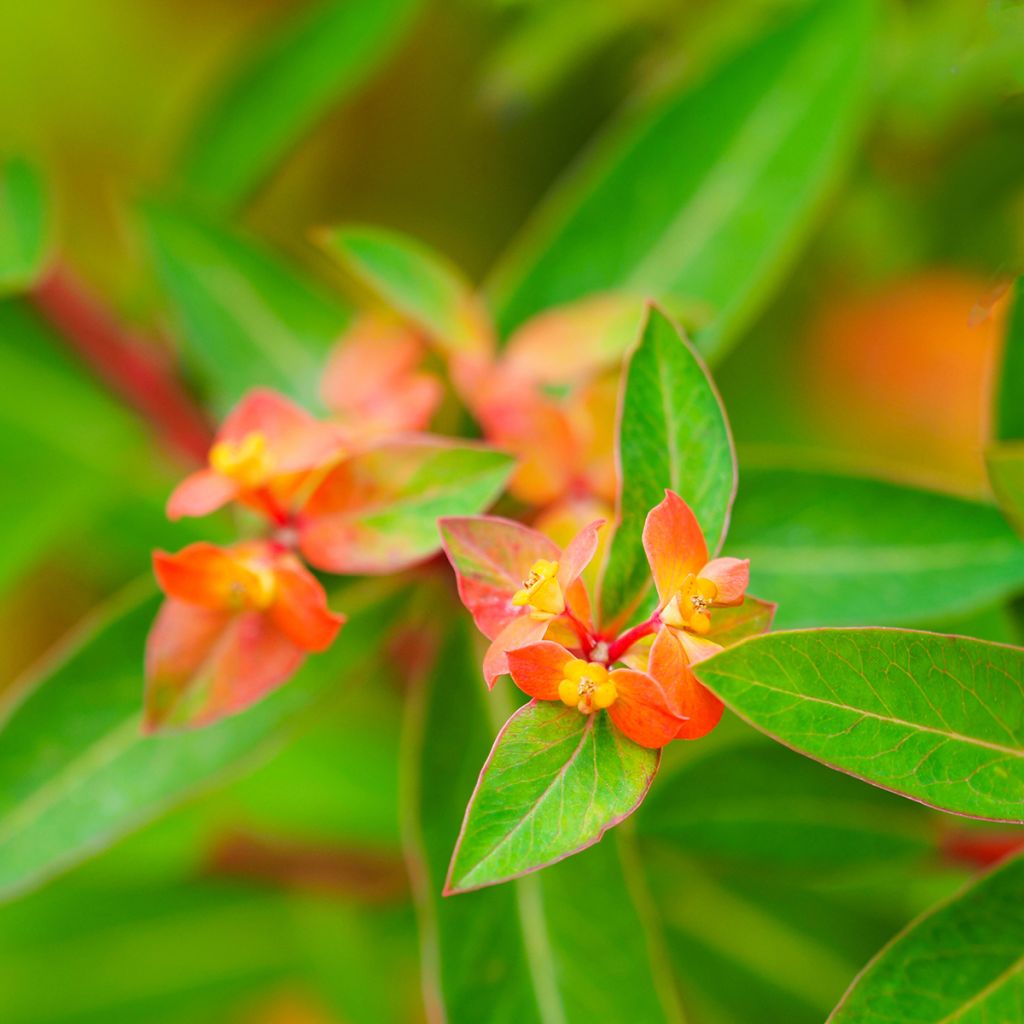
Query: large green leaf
[(937, 718), (572, 944), (24, 226), (553, 784), (76, 771), (705, 199), (962, 962), (245, 318), (673, 433), (412, 280), (842, 550), (761, 808), (284, 89)]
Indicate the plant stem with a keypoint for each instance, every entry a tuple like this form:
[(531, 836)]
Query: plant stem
[(586, 637), (127, 364), (622, 643)]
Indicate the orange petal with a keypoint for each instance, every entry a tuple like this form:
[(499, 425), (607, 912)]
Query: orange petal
[(300, 609), (643, 709), (696, 648), (519, 632), (674, 544), (200, 574), (731, 576), (537, 669), (577, 555), (201, 493), (699, 708)]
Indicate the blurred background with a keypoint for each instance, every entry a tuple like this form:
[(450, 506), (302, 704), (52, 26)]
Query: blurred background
[(180, 141)]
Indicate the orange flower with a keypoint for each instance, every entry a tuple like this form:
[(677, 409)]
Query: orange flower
[(269, 455), (237, 623)]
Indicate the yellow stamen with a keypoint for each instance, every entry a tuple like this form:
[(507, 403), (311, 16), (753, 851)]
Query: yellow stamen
[(246, 461), (586, 686), (689, 608), (541, 592), (253, 587)]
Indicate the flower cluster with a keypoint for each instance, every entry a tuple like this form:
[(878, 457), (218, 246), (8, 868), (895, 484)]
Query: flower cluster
[(528, 598)]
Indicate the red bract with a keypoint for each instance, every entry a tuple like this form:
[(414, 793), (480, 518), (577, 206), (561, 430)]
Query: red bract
[(236, 624), (373, 384), (269, 454), (527, 597)]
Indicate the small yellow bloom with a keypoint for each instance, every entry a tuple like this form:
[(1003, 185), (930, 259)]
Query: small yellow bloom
[(253, 587), (541, 592), (689, 608), (246, 461), (586, 686)]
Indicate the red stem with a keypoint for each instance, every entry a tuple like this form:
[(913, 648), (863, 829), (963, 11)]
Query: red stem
[(127, 364), (586, 637), (620, 645)]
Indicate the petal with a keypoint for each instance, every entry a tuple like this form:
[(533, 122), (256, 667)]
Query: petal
[(200, 574), (699, 708), (733, 624), (537, 669), (295, 439), (643, 710), (731, 576), (674, 544), (300, 609), (577, 555), (201, 493), (518, 632), (695, 648), (491, 558), (203, 664)]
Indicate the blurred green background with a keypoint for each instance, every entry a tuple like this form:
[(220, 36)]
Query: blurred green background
[(187, 149)]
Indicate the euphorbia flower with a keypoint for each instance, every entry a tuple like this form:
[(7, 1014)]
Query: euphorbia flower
[(268, 455), (373, 383), (643, 706), (518, 584), (237, 623)]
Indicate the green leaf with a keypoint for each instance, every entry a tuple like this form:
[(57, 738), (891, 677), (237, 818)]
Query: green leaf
[(961, 962), (554, 783), (936, 718), (246, 319), (1009, 413), (1006, 474), (24, 226), (285, 87), (761, 808), (706, 198), (76, 771), (571, 944), (843, 550), (413, 281), (673, 434)]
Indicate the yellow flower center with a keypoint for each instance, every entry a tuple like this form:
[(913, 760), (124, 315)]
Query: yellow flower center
[(541, 591), (690, 607), (586, 686), (252, 587), (246, 461)]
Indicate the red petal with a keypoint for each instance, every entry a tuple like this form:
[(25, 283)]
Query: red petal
[(731, 576), (518, 632), (300, 609), (643, 709), (491, 558), (203, 664), (200, 574), (201, 493), (576, 557), (700, 707), (674, 544), (537, 669)]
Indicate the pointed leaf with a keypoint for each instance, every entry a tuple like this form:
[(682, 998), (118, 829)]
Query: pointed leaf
[(843, 550), (963, 961), (704, 199), (245, 318), (284, 88), (414, 282), (673, 434), (554, 783), (571, 944), (24, 226), (939, 719), (378, 511), (76, 770)]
